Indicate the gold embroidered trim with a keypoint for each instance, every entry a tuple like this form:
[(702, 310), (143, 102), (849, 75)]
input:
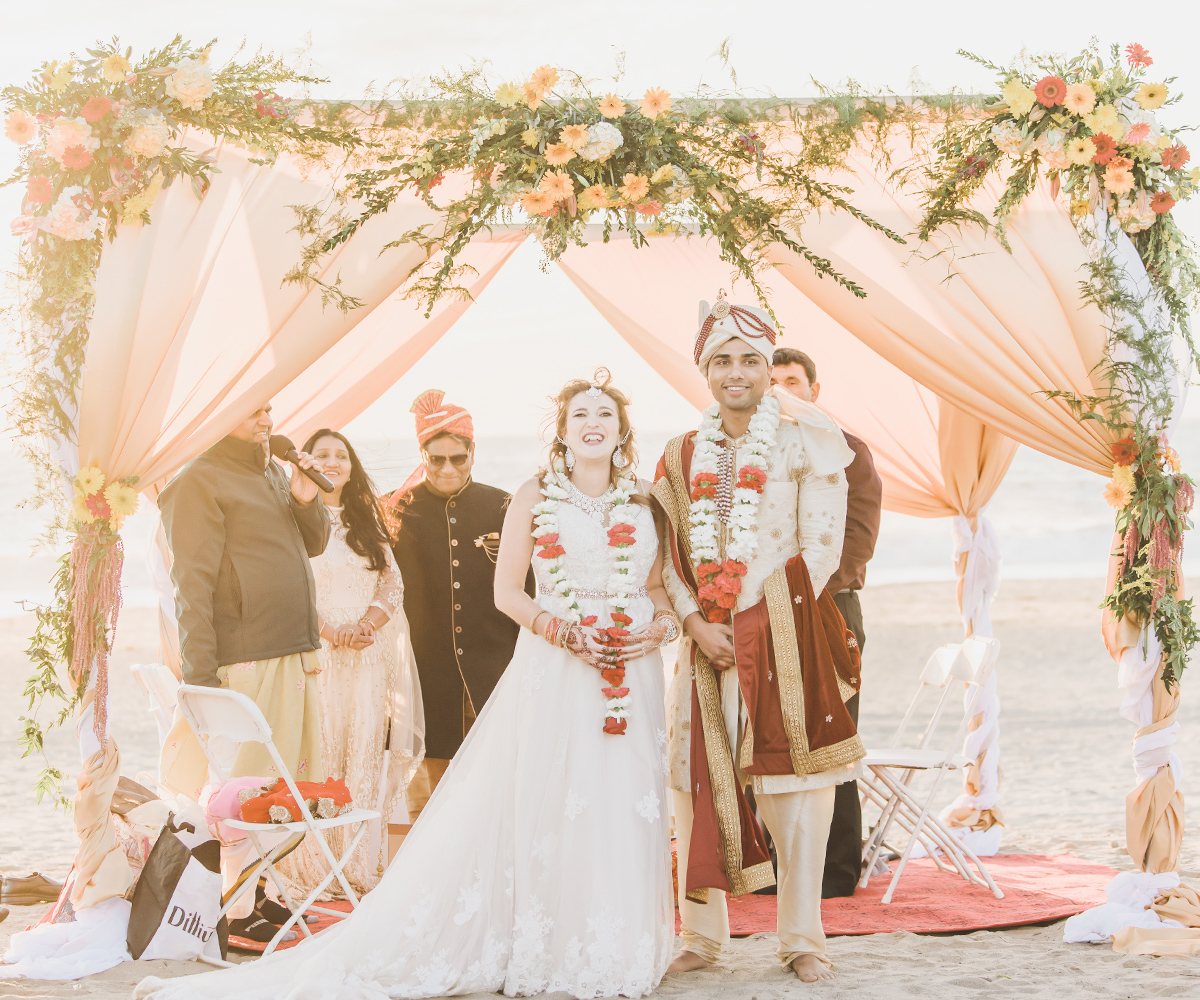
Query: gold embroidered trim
[(746, 753), (791, 687), (844, 689), (787, 664)]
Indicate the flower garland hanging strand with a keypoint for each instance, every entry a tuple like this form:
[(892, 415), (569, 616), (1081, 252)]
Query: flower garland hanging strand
[(548, 539), (720, 581)]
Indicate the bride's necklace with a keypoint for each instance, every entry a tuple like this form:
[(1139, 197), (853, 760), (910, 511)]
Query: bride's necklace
[(557, 488), (718, 498), (596, 508)]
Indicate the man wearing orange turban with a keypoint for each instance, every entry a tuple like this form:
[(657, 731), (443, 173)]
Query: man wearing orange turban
[(446, 550)]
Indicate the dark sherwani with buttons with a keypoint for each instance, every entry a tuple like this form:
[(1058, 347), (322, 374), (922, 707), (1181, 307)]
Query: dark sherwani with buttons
[(446, 552)]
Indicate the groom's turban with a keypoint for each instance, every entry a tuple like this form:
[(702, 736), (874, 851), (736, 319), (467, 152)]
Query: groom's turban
[(724, 322)]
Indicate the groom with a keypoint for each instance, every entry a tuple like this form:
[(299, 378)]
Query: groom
[(756, 501)]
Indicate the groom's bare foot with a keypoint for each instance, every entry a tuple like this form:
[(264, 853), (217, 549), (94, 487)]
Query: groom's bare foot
[(809, 968), (687, 961)]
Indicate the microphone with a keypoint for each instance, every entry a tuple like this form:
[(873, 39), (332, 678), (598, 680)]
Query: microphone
[(283, 448)]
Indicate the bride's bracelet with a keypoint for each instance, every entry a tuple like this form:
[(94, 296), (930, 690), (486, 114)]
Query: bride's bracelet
[(551, 627), (673, 624)]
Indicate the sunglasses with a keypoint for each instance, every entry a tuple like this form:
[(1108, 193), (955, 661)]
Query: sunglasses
[(437, 461)]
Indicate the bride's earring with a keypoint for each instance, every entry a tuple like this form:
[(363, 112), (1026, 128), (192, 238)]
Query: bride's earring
[(570, 458), (618, 458)]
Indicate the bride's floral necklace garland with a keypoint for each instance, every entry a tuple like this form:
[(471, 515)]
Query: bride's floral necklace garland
[(720, 582), (547, 537)]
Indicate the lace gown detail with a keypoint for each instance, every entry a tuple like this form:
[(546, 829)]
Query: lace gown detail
[(360, 692), (541, 863)]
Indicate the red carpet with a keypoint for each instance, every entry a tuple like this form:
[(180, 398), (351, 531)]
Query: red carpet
[(1037, 888)]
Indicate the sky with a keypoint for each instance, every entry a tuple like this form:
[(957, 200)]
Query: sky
[(508, 352)]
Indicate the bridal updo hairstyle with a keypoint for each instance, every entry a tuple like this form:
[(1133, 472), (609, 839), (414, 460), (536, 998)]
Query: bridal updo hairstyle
[(602, 380), (364, 518)]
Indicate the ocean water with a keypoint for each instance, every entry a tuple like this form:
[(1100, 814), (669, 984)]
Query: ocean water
[(1050, 516)]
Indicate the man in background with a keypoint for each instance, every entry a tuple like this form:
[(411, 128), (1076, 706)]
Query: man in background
[(795, 371), (241, 536), (446, 545)]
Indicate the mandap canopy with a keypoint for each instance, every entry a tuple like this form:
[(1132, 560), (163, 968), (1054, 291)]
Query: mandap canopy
[(974, 275)]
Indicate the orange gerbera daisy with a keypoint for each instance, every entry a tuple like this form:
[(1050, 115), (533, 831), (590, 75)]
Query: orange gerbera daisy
[(575, 136), (76, 158), (544, 77), (612, 106), (534, 95), (557, 185), (1118, 180), (1162, 202), (536, 202), (655, 102), (1106, 147), (1050, 91), (1174, 157), (1117, 494), (594, 197), (636, 187), (559, 153)]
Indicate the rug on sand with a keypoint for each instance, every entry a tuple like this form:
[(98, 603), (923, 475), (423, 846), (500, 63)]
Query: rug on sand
[(1037, 888)]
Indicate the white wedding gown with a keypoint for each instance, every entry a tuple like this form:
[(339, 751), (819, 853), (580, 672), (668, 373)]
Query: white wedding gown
[(542, 861)]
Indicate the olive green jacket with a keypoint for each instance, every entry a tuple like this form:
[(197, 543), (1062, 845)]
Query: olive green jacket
[(240, 547)]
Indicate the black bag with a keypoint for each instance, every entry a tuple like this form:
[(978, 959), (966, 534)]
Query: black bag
[(178, 897)]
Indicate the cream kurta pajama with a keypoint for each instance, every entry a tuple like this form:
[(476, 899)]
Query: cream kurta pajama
[(800, 512)]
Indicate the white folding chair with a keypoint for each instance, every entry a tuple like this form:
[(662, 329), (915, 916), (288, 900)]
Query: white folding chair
[(889, 773), (160, 686), (220, 712)]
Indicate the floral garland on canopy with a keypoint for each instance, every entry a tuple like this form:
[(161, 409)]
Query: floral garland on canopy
[(1091, 127), (99, 137), (566, 158)]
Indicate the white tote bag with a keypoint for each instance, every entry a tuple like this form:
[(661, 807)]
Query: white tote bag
[(177, 901)]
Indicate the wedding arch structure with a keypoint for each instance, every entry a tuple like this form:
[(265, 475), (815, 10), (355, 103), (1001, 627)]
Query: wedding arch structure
[(973, 281)]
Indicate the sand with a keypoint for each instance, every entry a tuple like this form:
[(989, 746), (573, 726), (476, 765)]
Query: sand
[(1066, 771)]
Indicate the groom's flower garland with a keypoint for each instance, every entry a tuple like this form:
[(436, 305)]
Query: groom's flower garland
[(547, 537), (720, 582)]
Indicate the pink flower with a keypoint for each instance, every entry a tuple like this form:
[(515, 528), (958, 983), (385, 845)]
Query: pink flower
[(1137, 133), (39, 190)]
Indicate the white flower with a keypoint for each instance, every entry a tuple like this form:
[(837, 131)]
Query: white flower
[(1007, 137), (647, 807), (679, 189), (574, 805), (72, 217), (1052, 145), (150, 133), (603, 140), (190, 84), (68, 132)]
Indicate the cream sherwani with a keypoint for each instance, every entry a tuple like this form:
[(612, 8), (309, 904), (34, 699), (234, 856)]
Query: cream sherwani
[(800, 512)]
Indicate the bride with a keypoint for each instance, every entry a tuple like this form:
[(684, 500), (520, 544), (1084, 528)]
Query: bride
[(541, 863)]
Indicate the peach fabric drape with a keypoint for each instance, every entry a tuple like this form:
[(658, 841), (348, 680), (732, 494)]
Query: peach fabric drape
[(193, 327), (934, 460), (983, 328)]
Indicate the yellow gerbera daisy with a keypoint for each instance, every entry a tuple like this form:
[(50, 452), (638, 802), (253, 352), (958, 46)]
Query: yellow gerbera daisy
[(1018, 97), (612, 106), (122, 499), (114, 68), (1080, 151), (531, 137), (79, 512), (509, 94), (89, 481), (1151, 95), (663, 173)]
